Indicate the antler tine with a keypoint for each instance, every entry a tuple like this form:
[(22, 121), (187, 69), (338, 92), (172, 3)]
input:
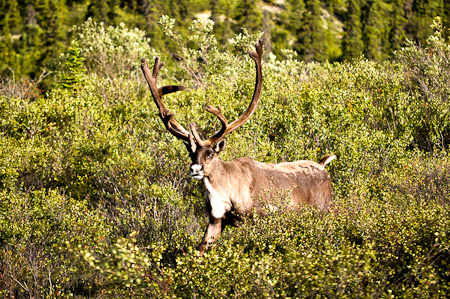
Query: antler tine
[(156, 67), (196, 136), (157, 93), (228, 128), (217, 112)]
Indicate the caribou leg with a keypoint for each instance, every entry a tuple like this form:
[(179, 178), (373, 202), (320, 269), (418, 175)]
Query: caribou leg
[(212, 233)]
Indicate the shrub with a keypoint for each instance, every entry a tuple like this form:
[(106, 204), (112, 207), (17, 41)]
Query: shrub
[(427, 79), (111, 51), (38, 229)]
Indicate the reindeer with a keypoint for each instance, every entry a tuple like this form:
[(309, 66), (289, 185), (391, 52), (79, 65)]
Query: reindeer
[(240, 187)]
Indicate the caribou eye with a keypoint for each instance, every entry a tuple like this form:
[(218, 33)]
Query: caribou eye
[(211, 156)]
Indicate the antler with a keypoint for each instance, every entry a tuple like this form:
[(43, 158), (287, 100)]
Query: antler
[(168, 118), (228, 128), (176, 129)]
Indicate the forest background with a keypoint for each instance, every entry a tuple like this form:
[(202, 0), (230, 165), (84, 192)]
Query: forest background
[(34, 32)]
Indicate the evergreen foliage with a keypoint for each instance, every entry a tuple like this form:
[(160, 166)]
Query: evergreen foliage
[(73, 70), (248, 15), (311, 38), (353, 42), (34, 33)]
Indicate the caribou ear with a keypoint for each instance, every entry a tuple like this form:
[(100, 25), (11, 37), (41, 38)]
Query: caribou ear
[(220, 146)]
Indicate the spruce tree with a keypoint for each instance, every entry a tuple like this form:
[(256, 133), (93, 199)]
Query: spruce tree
[(221, 14), (311, 40), (30, 45), (7, 53), (113, 12), (333, 35), (446, 15), (10, 9), (10, 25), (74, 71), (181, 12), (98, 10), (352, 45), (248, 15), (295, 11), (152, 12), (375, 31), (288, 26), (397, 33), (424, 11)]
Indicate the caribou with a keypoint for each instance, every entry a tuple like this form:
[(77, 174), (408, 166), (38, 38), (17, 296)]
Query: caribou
[(243, 186)]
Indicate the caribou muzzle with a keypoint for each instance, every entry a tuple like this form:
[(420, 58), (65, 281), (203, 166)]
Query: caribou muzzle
[(197, 171)]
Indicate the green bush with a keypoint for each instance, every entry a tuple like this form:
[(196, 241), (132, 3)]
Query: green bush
[(111, 51), (427, 79), (38, 230)]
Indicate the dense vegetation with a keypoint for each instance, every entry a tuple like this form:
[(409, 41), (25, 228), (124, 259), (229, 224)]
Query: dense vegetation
[(96, 201), (34, 32)]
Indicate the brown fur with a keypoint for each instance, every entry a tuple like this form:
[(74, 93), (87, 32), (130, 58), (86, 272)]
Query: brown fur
[(249, 186)]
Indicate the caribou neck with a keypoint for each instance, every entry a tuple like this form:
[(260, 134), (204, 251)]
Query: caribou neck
[(217, 172)]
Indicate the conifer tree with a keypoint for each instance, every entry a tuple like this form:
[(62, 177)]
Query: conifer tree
[(7, 53), (113, 12), (446, 15), (221, 14), (47, 37), (10, 24), (73, 72), (248, 15), (333, 35), (34, 32), (352, 45), (98, 11), (424, 11), (152, 12), (295, 11), (397, 33), (30, 45), (311, 40), (288, 26), (11, 10), (181, 12), (375, 31)]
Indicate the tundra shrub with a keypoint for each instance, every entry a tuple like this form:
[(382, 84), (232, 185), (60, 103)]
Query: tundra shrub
[(112, 51), (427, 75)]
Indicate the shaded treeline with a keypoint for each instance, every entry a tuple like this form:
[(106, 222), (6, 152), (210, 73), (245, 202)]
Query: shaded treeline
[(34, 32)]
